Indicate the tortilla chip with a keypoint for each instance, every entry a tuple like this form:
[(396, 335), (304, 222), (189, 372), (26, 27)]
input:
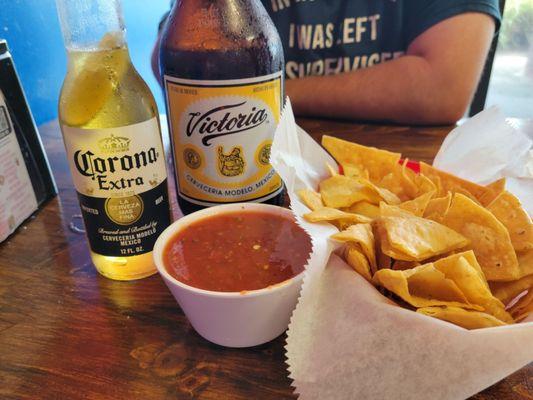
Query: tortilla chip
[(354, 172), (492, 191), (362, 235), (437, 207), (437, 182), (408, 178), (397, 185), (387, 210), (343, 191), (508, 210), (424, 184), (364, 208), (466, 318), (422, 286), (417, 239), (386, 247), (416, 184), (383, 244), (405, 183), (332, 214), (311, 199), (470, 257), (525, 263), (387, 195), (377, 162), (356, 259), (466, 193), (489, 238), (471, 281), (452, 183), (384, 194), (418, 205), (497, 186), (508, 291)]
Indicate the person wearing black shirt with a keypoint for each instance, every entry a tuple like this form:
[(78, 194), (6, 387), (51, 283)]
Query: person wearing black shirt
[(406, 61)]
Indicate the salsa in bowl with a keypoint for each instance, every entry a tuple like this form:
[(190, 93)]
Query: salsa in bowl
[(235, 270)]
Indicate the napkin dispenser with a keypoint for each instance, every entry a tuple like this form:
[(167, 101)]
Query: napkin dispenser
[(26, 181)]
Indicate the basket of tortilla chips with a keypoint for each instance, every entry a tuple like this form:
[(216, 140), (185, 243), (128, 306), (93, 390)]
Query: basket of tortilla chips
[(449, 248), (427, 241)]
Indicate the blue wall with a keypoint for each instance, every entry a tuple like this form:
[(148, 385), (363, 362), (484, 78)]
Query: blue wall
[(32, 30)]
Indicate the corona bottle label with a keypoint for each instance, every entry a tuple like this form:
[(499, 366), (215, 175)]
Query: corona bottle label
[(120, 176), (222, 133)]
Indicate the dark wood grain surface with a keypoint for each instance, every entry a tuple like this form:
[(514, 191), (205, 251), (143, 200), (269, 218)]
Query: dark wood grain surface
[(68, 333)]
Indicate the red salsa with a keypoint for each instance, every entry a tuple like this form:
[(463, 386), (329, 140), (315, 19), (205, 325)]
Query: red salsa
[(238, 251)]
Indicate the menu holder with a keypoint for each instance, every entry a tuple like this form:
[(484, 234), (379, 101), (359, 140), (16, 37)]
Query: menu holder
[(26, 181)]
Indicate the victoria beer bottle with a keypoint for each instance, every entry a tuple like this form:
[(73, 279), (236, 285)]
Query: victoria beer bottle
[(113, 143), (222, 67)]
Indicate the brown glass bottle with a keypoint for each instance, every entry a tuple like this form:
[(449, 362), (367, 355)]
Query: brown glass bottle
[(222, 66)]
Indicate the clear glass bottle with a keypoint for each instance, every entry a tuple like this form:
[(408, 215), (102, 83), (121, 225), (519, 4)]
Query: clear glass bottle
[(112, 136)]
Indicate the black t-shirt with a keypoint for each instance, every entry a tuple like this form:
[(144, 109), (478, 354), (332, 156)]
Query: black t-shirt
[(324, 37)]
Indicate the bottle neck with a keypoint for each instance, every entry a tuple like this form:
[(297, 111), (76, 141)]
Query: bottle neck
[(216, 24), (91, 24)]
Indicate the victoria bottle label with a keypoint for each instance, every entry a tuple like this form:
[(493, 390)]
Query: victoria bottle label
[(222, 133), (121, 180)]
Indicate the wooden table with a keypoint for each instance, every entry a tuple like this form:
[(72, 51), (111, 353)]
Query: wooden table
[(68, 333)]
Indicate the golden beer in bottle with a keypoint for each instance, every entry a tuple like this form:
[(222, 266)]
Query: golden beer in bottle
[(112, 136)]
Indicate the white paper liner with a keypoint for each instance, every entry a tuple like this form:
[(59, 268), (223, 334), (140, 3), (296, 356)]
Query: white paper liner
[(486, 148), (347, 341)]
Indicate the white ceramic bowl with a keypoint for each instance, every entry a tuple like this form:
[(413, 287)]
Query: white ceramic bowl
[(232, 319)]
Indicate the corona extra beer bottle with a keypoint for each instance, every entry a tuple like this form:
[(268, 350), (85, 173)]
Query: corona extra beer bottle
[(112, 137), (222, 69)]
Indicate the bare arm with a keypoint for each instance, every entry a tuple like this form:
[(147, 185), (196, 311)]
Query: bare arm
[(433, 83)]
